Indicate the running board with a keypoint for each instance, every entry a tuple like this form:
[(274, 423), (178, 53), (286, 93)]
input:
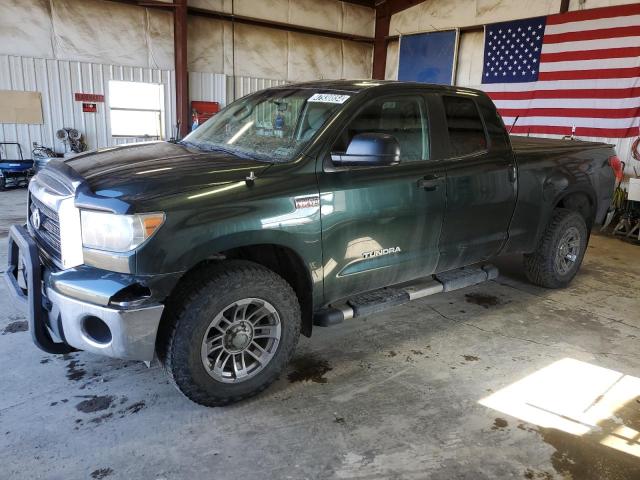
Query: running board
[(378, 300)]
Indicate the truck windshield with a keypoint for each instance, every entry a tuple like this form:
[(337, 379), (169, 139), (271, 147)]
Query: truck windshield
[(271, 125)]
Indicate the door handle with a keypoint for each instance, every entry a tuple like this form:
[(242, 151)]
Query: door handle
[(429, 182), (512, 173)]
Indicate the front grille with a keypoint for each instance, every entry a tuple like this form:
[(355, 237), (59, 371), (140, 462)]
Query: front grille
[(48, 235)]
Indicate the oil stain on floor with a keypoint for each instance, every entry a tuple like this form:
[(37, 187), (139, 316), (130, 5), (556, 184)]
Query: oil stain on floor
[(101, 473), (95, 404), (74, 372), (483, 299), (15, 327), (586, 458), (308, 368)]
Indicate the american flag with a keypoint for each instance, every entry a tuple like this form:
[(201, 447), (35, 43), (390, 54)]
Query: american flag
[(570, 73)]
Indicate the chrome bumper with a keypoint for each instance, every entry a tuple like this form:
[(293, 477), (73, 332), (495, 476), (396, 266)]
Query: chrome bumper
[(133, 332), (58, 323)]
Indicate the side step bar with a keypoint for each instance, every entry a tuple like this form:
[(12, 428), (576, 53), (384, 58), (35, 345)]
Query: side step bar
[(378, 300)]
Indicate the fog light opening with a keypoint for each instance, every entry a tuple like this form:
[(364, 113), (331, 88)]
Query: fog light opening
[(96, 330)]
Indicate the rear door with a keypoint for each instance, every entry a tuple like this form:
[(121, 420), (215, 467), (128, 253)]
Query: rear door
[(480, 179), (381, 225)]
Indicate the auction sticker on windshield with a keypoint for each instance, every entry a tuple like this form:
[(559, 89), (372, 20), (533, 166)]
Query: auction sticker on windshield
[(328, 98)]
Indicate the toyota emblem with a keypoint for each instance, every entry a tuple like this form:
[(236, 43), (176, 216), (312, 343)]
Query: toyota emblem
[(35, 219)]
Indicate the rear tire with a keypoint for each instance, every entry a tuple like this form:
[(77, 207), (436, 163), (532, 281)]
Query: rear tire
[(232, 333), (560, 251), (3, 184)]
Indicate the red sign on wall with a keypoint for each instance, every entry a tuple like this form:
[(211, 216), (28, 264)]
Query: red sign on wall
[(89, 97), (89, 107)]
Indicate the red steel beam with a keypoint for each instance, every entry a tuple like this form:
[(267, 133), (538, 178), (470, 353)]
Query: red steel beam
[(182, 74), (384, 11), (383, 19)]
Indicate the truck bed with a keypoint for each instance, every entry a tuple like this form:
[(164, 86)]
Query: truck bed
[(521, 144)]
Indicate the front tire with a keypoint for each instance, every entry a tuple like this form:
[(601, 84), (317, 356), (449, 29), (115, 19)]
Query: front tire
[(232, 334), (560, 251)]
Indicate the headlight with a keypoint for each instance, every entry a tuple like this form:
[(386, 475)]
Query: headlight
[(117, 233)]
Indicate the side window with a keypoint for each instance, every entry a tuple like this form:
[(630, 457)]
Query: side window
[(466, 132), (402, 117)]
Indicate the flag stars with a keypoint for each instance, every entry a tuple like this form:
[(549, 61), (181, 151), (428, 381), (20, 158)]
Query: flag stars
[(512, 50)]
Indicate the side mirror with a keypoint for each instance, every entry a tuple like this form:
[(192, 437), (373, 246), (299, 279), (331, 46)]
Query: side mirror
[(369, 149)]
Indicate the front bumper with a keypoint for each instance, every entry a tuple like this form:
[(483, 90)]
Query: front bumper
[(60, 323)]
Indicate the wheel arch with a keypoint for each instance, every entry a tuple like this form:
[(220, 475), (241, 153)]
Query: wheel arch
[(280, 257), (581, 200)]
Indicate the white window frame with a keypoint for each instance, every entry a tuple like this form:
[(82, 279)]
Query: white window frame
[(160, 112)]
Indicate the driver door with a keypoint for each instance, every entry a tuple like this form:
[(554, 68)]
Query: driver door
[(381, 224)]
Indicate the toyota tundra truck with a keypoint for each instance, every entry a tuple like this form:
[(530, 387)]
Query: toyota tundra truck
[(297, 206)]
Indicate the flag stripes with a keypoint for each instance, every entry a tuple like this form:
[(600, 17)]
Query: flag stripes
[(584, 78)]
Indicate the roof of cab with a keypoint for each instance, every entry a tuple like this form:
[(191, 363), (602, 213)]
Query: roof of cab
[(360, 85)]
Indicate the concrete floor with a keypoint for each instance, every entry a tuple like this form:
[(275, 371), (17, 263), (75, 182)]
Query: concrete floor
[(503, 380)]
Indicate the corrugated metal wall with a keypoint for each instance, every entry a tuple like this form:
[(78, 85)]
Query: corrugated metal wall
[(208, 87), (246, 85), (58, 80)]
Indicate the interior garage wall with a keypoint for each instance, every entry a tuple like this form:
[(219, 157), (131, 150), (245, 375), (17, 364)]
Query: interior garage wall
[(433, 15), (274, 54), (60, 47), (58, 80)]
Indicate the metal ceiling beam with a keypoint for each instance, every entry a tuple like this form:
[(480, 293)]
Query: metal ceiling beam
[(202, 12), (363, 3)]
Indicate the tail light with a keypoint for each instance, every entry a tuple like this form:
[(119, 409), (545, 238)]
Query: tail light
[(616, 165)]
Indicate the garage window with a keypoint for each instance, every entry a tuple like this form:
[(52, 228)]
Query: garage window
[(466, 131), (136, 109)]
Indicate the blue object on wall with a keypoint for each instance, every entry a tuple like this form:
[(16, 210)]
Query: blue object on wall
[(427, 57)]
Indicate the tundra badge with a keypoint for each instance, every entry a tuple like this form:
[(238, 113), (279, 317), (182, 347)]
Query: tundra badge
[(382, 251)]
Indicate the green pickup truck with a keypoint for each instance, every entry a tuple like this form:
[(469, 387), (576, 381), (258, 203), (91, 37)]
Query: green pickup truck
[(298, 206)]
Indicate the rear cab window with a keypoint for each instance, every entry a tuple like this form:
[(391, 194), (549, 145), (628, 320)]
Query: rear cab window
[(467, 135)]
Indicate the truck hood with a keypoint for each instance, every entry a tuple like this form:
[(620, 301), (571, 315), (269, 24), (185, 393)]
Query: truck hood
[(140, 173)]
